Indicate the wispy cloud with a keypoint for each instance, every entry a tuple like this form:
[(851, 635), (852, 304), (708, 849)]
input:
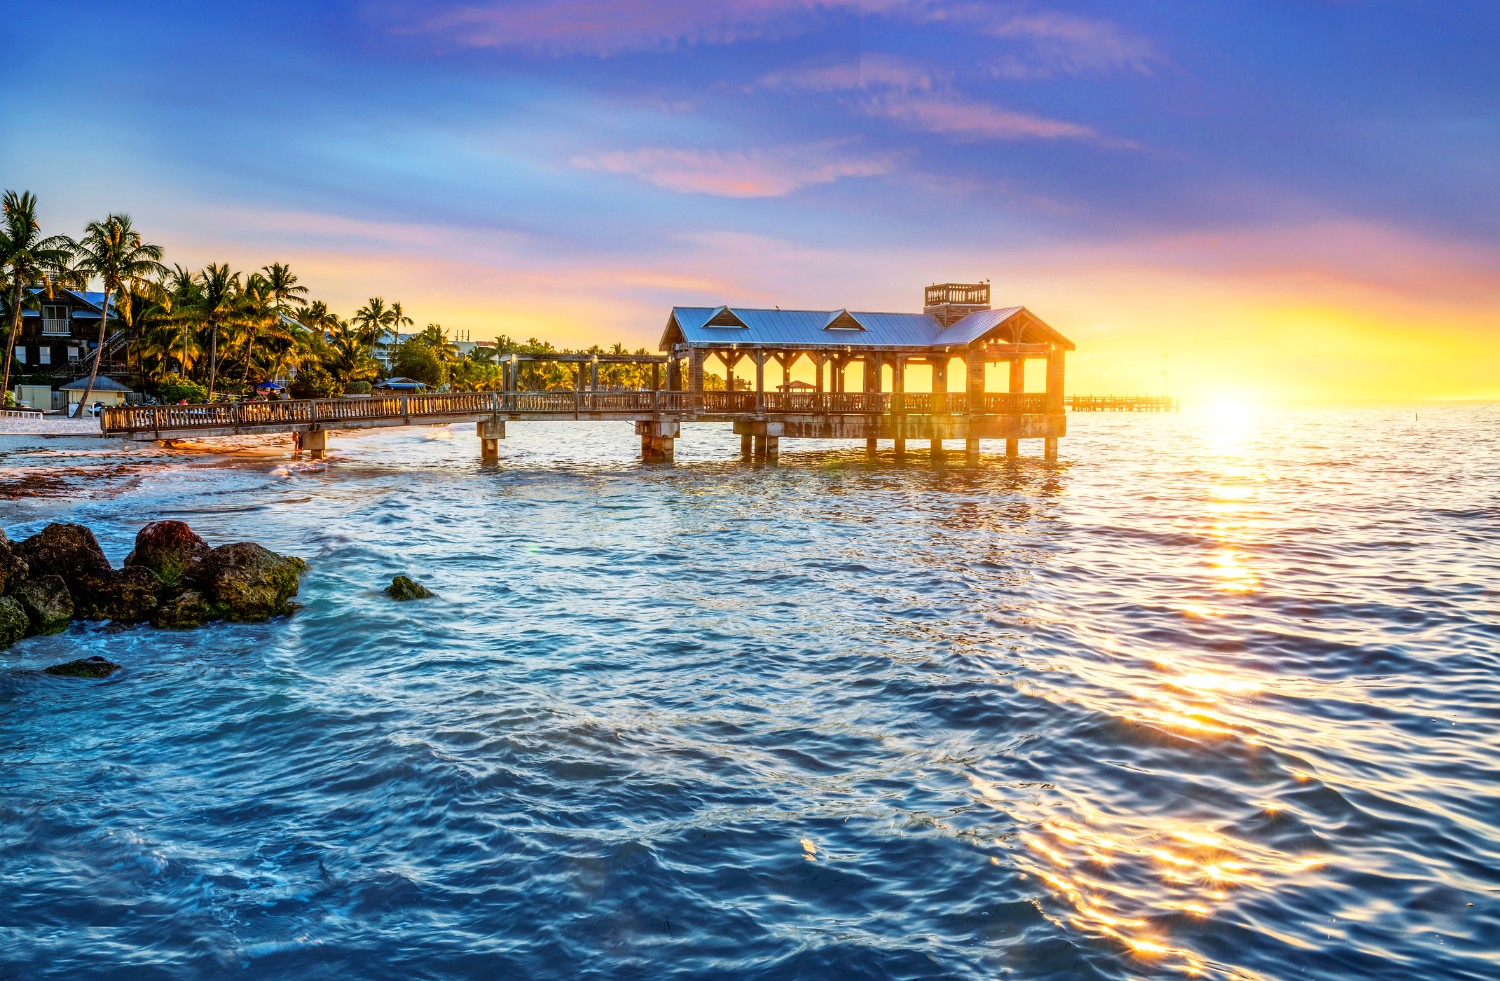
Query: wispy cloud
[(614, 26), (871, 71), (1051, 43), (739, 173), (964, 119)]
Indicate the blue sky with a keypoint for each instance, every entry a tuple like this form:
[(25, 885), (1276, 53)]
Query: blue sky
[(574, 169)]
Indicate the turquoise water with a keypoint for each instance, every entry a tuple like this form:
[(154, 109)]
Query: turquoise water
[(1217, 696)]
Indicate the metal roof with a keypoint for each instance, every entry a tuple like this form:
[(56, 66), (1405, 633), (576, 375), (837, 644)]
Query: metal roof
[(812, 328), (101, 384)]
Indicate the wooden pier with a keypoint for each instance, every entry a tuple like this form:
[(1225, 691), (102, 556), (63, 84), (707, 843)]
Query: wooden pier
[(1121, 403), (956, 328)]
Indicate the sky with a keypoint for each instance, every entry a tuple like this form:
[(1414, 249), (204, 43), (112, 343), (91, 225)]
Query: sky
[(1260, 198)]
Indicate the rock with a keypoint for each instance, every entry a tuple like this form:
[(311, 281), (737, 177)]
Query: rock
[(249, 582), (186, 609), (13, 569), (168, 548), (403, 588), (47, 603), (87, 667), (14, 624), (131, 596), (71, 552)]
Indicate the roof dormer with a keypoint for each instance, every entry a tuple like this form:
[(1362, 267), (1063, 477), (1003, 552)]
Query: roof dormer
[(843, 320), (725, 317)]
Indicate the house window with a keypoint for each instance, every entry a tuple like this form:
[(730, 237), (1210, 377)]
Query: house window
[(55, 320), (44, 355)]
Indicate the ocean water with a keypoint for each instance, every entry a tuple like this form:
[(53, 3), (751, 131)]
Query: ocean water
[(1216, 696)]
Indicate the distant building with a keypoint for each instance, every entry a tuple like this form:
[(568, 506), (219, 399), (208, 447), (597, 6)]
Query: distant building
[(60, 334), (105, 390)]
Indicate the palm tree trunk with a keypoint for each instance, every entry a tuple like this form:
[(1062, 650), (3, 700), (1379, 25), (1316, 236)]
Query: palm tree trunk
[(249, 358), (10, 345), (213, 359), (98, 356)]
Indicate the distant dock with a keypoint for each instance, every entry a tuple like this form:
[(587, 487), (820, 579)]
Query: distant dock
[(1122, 403)]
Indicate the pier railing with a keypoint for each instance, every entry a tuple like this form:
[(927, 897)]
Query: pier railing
[(296, 414)]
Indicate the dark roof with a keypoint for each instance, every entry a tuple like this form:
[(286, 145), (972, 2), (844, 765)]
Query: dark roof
[(101, 384)]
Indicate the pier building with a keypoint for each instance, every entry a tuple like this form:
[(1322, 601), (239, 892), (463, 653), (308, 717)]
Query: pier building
[(861, 364)]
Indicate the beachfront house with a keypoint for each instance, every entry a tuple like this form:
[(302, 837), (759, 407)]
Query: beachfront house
[(59, 334), (105, 390)]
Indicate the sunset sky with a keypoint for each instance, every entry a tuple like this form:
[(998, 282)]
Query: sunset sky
[(1293, 198)]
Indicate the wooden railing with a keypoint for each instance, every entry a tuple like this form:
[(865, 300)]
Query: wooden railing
[(125, 419), (1121, 403)]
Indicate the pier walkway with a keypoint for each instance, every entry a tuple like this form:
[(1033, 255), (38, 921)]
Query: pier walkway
[(761, 418), (1122, 403), (957, 335)]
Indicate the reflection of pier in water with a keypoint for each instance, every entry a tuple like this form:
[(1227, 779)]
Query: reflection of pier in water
[(956, 328)]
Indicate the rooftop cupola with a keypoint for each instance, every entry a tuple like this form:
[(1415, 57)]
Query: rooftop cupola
[(949, 303)]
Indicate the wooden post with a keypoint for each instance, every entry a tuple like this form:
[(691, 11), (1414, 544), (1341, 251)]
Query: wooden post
[(760, 381), (1054, 398), (695, 379), (1017, 390)]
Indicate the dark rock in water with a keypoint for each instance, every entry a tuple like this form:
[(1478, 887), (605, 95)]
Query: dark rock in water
[(186, 609), (404, 588), (71, 552), (87, 667), (131, 596), (14, 624), (249, 582), (47, 603), (170, 549), (13, 568)]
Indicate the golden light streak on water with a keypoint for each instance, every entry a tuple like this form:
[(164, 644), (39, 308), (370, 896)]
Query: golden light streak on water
[(1126, 878)]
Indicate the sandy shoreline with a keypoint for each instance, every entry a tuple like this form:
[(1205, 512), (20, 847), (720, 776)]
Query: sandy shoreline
[(67, 459)]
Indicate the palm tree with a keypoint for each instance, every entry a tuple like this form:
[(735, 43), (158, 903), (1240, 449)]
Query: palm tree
[(215, 306), (26, 259), (113, 251), (283, 292), (372, 318)]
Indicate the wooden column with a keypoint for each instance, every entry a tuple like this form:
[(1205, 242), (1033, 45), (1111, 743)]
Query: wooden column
[(898, 415), (695, 379), (1054, 397), (974, 381), (1017, 389)]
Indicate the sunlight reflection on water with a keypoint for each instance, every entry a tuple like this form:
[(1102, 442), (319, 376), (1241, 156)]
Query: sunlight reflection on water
[(1216, 697)]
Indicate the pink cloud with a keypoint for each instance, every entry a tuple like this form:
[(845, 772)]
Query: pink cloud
[(1054, 43), (610, 26), (869, 72), (738, 173), (971, 120)]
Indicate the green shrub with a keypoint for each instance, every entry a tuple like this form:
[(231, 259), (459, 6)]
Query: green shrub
[(175, 388), (314, 382)]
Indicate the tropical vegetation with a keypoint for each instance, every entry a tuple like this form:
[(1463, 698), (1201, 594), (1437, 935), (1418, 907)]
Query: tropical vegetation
[(179, 333)]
